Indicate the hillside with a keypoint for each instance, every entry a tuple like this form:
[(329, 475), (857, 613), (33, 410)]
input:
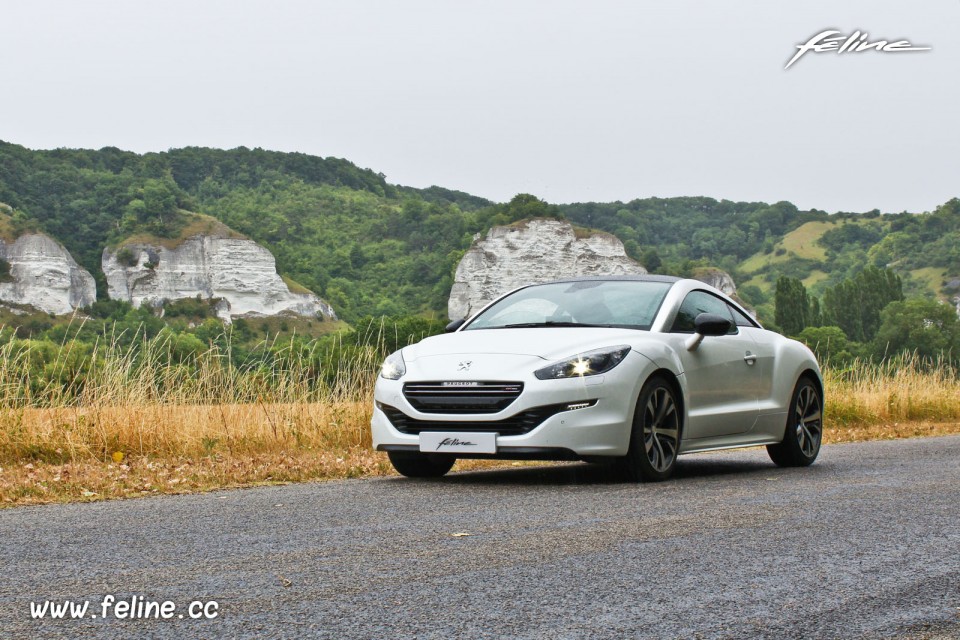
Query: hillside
[(757, 243), (373, 248)]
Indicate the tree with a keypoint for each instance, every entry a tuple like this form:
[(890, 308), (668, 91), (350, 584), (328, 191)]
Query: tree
[(855, 304), (841, 309), (153, 207), (830, 344), (651, 260), (926, 327), (878, 288), (159, 198), (792, 305), (816, 313), (524, 206)]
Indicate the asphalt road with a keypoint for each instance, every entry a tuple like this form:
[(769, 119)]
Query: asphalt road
[(864, 544)]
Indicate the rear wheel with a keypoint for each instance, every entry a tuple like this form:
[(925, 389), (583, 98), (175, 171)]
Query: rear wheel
[(420, 465), (655, 436), (804, 432)]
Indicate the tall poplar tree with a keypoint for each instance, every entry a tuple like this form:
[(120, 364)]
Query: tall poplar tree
[(792, 312)]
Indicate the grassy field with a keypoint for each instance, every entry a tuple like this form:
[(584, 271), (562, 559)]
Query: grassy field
[(800, 243), (815, 278), (928, 278), (141, 425)]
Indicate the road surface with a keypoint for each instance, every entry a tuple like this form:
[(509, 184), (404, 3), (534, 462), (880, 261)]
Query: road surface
[(864, 544)]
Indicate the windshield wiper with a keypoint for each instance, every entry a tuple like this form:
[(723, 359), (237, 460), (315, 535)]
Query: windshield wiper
[(550, 323)]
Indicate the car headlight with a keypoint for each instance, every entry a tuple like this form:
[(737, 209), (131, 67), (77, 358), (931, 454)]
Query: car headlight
[(393, 367), (590, 363)]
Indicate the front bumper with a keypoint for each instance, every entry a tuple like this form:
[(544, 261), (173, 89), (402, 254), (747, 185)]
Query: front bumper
[(602, 429)]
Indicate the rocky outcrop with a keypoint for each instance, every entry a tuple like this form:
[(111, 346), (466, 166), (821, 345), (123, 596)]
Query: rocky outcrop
[(43, 275), (717, 279), (530, 252), (238, 271)]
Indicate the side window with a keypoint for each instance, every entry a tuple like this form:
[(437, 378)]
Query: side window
[(694, 304), (739, 319)]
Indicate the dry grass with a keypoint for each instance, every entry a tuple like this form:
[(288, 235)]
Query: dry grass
[(134, 419), (900, 390), (142, 424), (71, 434)]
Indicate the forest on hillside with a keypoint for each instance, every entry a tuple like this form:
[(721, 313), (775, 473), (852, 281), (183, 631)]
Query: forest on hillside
[(672, 233), (374, 249)]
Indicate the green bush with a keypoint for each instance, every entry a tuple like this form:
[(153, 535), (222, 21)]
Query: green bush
[(190, 308), (127, 258)]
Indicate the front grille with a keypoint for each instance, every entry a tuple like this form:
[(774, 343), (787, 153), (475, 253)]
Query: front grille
[(515, 425), (461, 396)]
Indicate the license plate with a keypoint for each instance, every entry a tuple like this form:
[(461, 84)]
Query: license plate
[(459, 442)]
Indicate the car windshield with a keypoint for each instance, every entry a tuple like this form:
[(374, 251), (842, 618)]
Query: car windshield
[(630, 304)]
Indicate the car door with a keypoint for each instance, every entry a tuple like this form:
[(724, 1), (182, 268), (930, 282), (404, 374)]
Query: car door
[(723, 378)]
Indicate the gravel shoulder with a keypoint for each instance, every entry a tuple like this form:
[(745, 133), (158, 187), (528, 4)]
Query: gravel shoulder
[(864, 544)]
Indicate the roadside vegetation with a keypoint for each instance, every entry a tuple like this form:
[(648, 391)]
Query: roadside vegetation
[(903, 396), (137, 415)]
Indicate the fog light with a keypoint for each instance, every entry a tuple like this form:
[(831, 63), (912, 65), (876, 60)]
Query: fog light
[(579, 405)]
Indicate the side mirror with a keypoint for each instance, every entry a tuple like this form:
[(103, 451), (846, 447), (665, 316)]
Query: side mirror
[(456, 324), (711, 324), (708, 324)]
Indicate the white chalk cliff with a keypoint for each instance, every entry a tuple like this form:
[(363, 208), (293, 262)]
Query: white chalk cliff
[(239, 271), (44, 275), (716, 278), (530, 252)]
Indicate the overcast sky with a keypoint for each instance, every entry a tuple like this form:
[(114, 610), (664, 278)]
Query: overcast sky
[(571, 101)]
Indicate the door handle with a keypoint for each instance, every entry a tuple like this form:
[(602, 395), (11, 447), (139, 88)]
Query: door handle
[(750, 358)]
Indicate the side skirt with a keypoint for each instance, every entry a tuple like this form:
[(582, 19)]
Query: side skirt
[(726, 442)]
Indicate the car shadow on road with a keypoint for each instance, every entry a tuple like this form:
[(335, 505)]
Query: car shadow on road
[(688, 468)]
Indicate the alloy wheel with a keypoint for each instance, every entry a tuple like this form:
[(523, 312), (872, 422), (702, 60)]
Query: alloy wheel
[(809, 419), (661, 428)]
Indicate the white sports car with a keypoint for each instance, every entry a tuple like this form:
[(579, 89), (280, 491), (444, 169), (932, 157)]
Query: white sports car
[(635, 370)]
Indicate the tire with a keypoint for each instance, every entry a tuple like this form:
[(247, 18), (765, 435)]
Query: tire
[(804, 430), (655, 434), (420, 465)]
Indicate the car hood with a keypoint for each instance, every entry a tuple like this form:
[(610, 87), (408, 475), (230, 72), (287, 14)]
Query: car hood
[(549, 344)]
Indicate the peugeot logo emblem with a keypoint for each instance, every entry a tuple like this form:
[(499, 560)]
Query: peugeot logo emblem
[(464, 365)]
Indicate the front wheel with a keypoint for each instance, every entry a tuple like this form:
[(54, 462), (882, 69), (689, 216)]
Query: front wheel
[(420, 465), (804, 431), (655, 435)]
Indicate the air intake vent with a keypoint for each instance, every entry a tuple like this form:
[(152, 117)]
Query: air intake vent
[(460, 397), (515, 425)]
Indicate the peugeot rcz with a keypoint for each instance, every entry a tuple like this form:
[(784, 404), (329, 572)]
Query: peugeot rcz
[(631, 370)]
